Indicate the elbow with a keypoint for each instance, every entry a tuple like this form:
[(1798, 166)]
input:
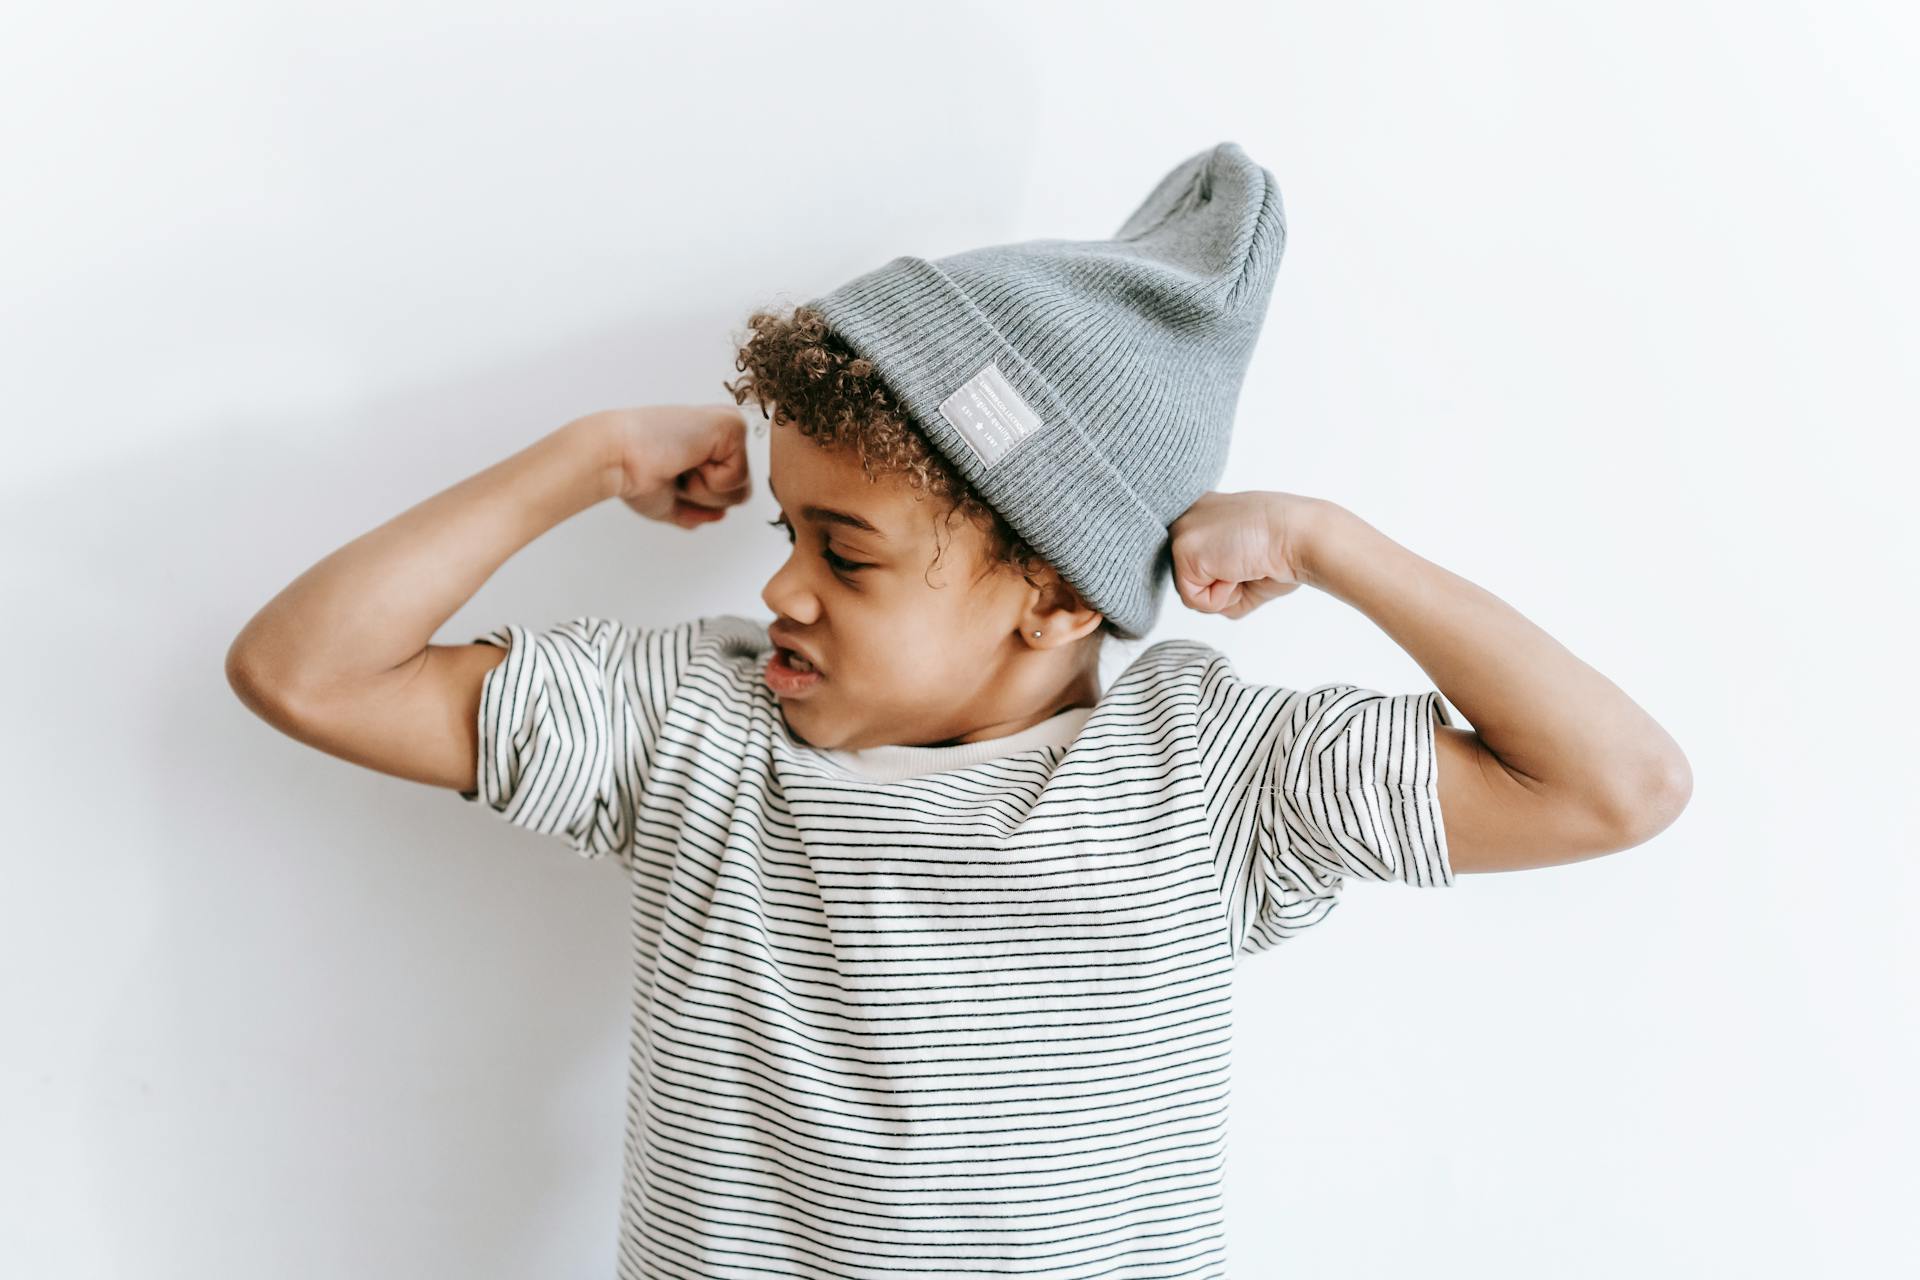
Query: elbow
[(242, 673), (245, 686), (1654, 800), (255, 691)]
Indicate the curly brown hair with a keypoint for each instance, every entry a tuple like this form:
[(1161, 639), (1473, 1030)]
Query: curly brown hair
[(803, 373)]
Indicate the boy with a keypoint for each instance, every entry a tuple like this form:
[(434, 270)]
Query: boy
[(934, 937)]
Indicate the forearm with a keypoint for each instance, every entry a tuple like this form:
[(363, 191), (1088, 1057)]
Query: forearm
[(376, 602), (1546, 715)]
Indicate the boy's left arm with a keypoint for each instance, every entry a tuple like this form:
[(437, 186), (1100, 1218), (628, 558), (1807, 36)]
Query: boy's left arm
[(1560, 764)]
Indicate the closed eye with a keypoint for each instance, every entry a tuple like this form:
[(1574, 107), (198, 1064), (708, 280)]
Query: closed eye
[(839, 563)]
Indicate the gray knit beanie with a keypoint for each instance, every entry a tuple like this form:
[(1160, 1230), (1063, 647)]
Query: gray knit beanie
[(1086, 388)]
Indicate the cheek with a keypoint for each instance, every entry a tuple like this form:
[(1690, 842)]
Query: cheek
[(884, 647), (948, 636)]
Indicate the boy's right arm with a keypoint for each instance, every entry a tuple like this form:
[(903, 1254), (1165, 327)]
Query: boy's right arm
[(418, 721), (341, 659)]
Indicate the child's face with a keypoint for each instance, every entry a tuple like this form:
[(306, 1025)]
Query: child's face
[(913, 653)]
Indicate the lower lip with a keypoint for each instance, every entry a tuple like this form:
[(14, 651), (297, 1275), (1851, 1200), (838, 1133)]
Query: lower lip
[(787, 681)]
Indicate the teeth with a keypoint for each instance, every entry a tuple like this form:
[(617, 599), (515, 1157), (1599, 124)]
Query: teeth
[(797, 662)]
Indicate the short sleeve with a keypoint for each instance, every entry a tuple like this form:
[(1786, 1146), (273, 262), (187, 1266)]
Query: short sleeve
[(569, 724), (1308, 788)]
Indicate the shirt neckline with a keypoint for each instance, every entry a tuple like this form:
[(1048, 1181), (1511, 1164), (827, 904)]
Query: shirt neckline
[(891, 763)]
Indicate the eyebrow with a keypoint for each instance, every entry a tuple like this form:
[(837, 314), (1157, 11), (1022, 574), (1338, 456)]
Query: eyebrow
[(827, 515)]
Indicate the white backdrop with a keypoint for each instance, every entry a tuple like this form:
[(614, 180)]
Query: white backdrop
[(1608, 308)]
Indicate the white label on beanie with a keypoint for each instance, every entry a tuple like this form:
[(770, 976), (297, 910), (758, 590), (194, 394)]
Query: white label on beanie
[(989, 414)]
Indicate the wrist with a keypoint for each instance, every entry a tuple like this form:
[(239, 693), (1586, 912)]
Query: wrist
[(601, 448), (1322, 525)]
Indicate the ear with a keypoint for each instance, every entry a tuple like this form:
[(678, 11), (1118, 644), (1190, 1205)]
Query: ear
[(1058, 612)]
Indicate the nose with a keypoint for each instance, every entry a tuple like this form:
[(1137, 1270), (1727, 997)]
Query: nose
[(787, 595)]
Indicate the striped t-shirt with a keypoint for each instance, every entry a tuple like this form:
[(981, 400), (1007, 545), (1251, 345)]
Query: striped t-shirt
[(956, 1011)]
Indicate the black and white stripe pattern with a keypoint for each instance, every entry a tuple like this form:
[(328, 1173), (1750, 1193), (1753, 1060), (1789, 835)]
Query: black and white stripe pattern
[(970, 1023)]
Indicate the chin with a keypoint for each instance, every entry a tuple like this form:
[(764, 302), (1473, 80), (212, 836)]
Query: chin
[(799, 734)]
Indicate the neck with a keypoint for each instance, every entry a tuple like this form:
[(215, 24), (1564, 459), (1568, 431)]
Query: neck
[(1082, 690)]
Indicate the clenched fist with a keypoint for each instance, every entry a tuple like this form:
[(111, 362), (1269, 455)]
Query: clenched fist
[(1233, 552), (683, 464)]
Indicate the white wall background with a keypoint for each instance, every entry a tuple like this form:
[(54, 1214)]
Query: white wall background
[(1609, 308)]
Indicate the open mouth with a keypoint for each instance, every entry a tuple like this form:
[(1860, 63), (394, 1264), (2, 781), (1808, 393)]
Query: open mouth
[(788, 673)]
